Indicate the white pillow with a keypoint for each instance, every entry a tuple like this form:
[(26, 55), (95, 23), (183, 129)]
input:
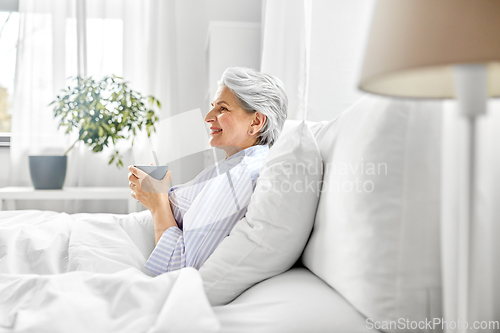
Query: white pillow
[(376, 233), (279, 219)]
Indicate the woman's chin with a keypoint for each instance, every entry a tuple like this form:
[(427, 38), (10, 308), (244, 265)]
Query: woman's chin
[(216, 144)]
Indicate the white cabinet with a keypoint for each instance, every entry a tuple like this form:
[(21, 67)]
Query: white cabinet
[(230, 44)]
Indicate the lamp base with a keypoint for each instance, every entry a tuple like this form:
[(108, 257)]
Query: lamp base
[(471, 90)]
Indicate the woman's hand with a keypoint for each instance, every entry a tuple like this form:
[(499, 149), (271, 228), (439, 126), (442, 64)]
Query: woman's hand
[(152, 193)]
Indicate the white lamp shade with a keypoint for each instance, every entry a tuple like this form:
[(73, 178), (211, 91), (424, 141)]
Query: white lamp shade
[(413, 45)]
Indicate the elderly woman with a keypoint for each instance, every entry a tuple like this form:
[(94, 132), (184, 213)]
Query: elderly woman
[(190, 220)]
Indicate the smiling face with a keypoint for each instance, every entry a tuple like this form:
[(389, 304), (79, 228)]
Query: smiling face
[(231, 127)]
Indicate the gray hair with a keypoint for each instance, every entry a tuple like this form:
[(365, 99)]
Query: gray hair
[(256, 91)]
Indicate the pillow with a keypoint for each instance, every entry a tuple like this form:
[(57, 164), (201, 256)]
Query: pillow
[(279, 219), (376, 233)]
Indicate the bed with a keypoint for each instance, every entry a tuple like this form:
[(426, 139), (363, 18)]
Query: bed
[(346, 261), (84, 273)]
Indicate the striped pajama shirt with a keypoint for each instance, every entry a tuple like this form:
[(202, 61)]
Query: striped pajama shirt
[(206, 209)]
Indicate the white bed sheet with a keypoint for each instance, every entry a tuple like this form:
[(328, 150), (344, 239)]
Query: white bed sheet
[(84, 273), (295, 301)]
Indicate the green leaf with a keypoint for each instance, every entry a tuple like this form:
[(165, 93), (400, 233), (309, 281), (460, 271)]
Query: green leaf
[(82, 106), (106, 127)]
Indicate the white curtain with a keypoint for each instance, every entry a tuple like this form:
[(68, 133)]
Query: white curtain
[(131, 38), (316, 48), (286, 38), (42, 65)]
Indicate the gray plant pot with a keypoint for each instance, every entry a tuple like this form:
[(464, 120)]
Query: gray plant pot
[(48, 172)]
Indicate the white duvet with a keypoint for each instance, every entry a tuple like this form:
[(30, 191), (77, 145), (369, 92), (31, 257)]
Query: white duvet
[(84, 273)]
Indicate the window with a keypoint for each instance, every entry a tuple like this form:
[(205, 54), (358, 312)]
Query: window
[(9, 29)]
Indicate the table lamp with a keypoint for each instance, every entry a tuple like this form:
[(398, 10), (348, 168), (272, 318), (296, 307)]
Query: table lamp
[(446, 49)]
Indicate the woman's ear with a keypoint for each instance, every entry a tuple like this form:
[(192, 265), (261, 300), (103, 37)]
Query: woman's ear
[(259, 120)]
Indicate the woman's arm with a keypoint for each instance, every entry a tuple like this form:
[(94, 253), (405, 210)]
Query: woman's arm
[(163, 218), (219, 204), (153, 194), (169, 252)]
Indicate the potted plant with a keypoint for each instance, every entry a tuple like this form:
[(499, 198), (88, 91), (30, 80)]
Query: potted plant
[(102, 111)]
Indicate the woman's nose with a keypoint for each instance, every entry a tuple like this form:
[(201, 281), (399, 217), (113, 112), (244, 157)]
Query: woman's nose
[(209, 117)]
